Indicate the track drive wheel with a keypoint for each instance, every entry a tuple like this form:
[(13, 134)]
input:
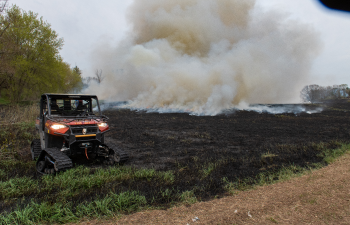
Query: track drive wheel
[(35, 148), (52, 160), (41, 166), (116, 155)]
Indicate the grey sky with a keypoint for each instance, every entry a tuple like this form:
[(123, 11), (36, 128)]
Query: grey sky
[(84, 24)]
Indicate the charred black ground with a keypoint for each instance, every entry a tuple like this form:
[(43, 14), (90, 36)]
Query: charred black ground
[(205, 152), (236, 143)]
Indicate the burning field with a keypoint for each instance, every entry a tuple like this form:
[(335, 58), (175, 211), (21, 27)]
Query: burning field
[(205, 152), (206, 57), (206, 61), (176, 157)]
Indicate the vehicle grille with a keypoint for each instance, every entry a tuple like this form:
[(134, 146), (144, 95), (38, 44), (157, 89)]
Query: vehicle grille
[(78, 130), (85, 139)]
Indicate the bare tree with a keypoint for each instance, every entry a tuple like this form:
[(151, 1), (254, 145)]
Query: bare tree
[(3, 4), (99, 78), (314, 92), (305, 94)]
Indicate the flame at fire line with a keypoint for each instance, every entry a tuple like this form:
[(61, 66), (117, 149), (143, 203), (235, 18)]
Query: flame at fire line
[(206, 56)]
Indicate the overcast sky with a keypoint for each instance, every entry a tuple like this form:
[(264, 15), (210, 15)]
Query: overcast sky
[(85, 23)]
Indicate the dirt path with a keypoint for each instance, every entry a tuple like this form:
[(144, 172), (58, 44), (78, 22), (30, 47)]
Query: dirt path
[(321, 197)]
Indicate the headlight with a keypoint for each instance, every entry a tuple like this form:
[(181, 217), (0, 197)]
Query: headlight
[(102, 124), (58, 126)]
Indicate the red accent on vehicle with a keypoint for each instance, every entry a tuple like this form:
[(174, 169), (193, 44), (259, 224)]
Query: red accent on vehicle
[(48, 125), (80, 122), (102, 129), (61, 131), (86, 154)]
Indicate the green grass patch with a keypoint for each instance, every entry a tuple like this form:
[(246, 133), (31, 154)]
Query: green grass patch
[(167, 194), (167, 176), (207, 170), (111, 205), (17, 187), (82, 179), (188, 197), (329, 155), (74, 182), (4, 101)]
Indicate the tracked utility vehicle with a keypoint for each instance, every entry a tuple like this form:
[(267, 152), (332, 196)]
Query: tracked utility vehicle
[(71, 126)]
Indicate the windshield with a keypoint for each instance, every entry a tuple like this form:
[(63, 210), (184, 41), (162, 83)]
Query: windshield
[(74, 106)]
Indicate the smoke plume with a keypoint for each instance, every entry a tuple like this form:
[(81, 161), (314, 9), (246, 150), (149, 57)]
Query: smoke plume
[(205, 56)]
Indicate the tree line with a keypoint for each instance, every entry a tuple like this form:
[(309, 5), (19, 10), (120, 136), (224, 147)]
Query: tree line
[(316, 93), (30, 63)]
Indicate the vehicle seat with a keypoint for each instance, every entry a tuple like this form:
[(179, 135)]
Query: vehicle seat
[(67, 105), (54, 108), (81, 107)]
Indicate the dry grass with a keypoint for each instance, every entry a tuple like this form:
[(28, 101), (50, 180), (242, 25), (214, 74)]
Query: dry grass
[(13, 114), (17, 125)]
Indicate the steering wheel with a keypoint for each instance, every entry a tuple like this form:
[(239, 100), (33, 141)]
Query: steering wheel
[(85, 113)]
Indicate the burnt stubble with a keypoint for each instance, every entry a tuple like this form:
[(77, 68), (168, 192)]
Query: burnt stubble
[(194, 156), (202, 150)]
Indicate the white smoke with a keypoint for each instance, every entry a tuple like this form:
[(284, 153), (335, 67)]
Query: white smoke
[(205, 56)]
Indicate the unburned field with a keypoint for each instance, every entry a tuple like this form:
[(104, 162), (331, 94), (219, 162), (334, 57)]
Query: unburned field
[(174, 158)]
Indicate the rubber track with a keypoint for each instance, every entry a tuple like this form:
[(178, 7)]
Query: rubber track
[(62, 161), (37, 148), (123, 155)]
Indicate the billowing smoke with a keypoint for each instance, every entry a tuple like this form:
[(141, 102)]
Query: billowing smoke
[(205, 56)]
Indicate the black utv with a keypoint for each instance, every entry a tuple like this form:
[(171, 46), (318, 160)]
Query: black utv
[(71, 126)]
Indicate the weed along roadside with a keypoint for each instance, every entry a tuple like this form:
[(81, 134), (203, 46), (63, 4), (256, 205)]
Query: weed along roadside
[(172, 162)]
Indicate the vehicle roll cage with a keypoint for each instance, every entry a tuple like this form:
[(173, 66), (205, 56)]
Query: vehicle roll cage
[(49, 96), (69, 119), (66, 119)]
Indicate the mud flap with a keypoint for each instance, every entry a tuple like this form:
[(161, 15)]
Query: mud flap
[(35, 148)]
